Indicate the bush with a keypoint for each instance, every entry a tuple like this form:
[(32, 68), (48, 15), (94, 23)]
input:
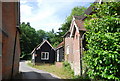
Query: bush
[(103, 37), (67, 67)]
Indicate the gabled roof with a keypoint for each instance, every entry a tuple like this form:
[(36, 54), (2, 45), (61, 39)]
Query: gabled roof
[(66, 33), (79, 23), (60, 45), (78, 17), (89, 10), (39, 46), (79, 20)]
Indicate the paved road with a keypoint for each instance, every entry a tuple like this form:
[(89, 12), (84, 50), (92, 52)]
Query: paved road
[(32, 73)]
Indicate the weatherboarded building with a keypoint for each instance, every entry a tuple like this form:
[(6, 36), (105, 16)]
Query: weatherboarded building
[(60, 52), (43, 53)]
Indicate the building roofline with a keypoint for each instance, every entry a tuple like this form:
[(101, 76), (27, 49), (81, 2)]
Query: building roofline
[(39, 46), (59, 47), (66, 33)]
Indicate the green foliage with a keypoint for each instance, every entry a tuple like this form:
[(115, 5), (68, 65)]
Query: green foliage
[(31, 38), (103, 37), (42, 35), (67, 67), (51, 37), (28, 40), (77, 11), (81, 78)]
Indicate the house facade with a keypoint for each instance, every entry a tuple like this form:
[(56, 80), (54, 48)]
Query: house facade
[(9, 35), (43, 53), (60, 52), (68, 48), (73, 44)]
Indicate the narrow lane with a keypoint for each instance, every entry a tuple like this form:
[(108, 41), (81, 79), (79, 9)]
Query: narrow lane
[(32, 73)]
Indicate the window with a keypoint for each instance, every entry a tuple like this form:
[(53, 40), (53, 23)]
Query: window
[(44, 55), (68, 49)]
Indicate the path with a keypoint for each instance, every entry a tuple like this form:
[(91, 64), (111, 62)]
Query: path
[(32, 73)]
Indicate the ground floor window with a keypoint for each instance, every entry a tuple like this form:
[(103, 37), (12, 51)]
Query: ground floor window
[(44, 55)]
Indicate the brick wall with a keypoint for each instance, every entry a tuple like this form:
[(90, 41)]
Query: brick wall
[(76, 52), (69, 57), (59, 64), (9, 24)]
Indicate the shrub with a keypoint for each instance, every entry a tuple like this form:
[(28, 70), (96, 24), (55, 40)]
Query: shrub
[(103, 37), (67, 67)]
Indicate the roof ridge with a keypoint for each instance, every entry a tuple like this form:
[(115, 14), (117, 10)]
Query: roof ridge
[(39, 45)]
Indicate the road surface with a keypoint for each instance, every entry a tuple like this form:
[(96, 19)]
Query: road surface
[(28, 72)]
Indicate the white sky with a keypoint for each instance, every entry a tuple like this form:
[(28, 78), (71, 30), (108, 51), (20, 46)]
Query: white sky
[(47, 15)]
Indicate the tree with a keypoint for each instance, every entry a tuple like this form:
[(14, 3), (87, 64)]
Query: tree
[(28, 40), (42, 35), (51, 37), (103, 37)]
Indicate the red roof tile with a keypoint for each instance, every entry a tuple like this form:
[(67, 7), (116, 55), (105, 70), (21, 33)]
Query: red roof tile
[(61, 44), (80, 24)]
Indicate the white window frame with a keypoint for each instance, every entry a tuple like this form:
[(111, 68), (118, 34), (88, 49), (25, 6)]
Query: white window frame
[(46, 58)]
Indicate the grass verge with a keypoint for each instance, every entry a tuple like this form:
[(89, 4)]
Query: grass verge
[(60, 72)]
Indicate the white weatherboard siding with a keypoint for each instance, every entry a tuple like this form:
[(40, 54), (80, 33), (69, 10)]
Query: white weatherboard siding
[(33, 56), (68, 48), (57, 55)]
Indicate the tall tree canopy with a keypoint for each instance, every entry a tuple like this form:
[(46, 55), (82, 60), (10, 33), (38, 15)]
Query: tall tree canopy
[(28, 40), (42, 35), (103, 37)]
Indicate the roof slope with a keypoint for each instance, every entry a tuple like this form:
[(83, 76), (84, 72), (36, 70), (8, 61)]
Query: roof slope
[(39, 46), (61, 44), (80, 23)]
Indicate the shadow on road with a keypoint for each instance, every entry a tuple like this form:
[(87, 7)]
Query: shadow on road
[(34, 75)]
